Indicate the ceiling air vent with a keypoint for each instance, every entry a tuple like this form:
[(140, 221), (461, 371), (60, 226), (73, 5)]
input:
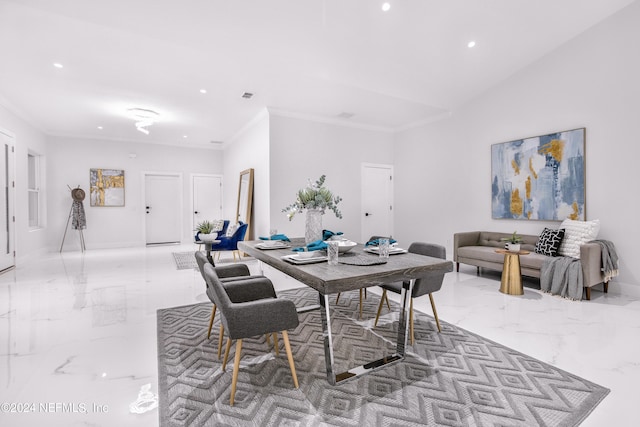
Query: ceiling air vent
[(345, 115), (247, 95)]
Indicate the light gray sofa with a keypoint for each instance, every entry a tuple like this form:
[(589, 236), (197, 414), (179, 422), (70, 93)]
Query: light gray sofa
[(479, 248)]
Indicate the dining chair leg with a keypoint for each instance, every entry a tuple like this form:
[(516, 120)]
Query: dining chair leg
[(411, 320), (220, 338), (337, 297), (236, 366), (213, 314), (226, 354), (292, 366), (386, 298), (384, 295), (275, 343), (360, 304), (435, 313)]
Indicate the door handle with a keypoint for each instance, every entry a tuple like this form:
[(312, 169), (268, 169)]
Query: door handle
[(196, 212), (367, 214)]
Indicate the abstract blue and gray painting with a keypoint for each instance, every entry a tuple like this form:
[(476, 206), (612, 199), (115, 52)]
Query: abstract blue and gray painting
[(539, 178)]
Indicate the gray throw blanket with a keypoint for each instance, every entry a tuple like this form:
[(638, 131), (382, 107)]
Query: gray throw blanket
[(79, 219), (609, 259), (562, 276)]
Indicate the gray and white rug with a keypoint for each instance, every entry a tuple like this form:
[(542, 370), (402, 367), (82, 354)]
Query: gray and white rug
[(185, 260), (453, 378)]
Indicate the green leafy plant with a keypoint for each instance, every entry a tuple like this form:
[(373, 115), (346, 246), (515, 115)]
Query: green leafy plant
[(514, 238), (314, 196), (204, 227)]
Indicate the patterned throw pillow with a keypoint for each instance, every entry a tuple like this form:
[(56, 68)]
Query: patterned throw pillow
[(231, 229), (549, 242), (576, 234), (218, 224)]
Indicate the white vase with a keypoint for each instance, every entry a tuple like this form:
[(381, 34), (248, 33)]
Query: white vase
[(513, 247), (313, 226)]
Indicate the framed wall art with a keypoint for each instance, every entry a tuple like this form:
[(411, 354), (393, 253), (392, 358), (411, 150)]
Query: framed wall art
[(539, 178), (106, 187)]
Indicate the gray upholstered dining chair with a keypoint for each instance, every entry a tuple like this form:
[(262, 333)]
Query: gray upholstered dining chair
[(250, 318), (228, 274), (422, 286)]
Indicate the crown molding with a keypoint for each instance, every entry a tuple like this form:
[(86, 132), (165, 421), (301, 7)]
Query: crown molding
[(4, 102), (328, 120), (432, 119)]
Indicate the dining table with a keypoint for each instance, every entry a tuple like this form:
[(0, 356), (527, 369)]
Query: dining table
[(328, 279)]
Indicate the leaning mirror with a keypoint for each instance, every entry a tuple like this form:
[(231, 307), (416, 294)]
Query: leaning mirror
[(245, 197)]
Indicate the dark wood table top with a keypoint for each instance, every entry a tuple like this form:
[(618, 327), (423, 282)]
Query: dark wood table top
[(328, 279)]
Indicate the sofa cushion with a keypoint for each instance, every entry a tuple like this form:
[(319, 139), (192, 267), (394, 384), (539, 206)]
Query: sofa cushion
[(482, 253), (549, 242), (577, 233), (533, 261), (494, 240)]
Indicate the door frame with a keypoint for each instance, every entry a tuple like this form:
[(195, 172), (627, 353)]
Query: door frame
[(191, 177), (363, 167), (143, 201), (12, 196)]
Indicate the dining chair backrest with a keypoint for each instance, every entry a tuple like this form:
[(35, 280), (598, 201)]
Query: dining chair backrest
[(433, 282), (248, 318), (215, 290), (201, 259)]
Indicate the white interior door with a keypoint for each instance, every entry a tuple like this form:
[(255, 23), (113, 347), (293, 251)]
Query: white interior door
[(377, 200), (207, 198), (7, 224), (163, 194)]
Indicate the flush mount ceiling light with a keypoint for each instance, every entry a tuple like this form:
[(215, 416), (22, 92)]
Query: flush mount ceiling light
[(143, 117), (58, 65), (386, 6), (471, 44)]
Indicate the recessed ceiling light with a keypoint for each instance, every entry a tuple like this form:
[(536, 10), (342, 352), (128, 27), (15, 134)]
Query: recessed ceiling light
[(203, 91), (58, 65), (184, 136), (386, 6), (100, 127), (471, 43)]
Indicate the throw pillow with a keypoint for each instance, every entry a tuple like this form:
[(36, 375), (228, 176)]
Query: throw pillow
[(218, 224), (577, 233), (549, 242), (231, 229)]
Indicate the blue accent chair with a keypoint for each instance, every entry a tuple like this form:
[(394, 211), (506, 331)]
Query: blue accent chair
[(231, 243), (221, 233)]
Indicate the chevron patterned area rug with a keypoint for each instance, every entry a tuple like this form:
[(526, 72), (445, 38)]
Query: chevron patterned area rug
[(453, 378)]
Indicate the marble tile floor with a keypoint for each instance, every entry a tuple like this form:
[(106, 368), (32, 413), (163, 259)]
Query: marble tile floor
[(78, 333)]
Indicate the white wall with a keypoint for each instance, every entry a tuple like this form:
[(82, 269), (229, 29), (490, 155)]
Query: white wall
[(303, 150), (69, 161), (249, 149), (591, 82), (27, 138)]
